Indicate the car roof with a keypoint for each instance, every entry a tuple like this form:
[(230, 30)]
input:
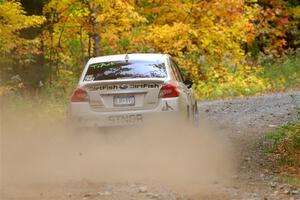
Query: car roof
[(136, 56)]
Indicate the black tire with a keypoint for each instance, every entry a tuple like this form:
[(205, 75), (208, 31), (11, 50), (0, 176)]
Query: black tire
[(196, 117)]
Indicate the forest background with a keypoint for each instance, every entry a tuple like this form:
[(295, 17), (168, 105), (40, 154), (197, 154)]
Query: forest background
[(227, 47)]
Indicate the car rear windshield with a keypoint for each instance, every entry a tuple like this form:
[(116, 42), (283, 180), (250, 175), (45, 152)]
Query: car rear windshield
[(125, 70)]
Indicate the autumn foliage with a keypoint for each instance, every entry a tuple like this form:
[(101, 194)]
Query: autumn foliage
[(221, 45)]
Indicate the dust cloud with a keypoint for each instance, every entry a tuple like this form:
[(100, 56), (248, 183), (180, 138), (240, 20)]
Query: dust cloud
[(167, 151)]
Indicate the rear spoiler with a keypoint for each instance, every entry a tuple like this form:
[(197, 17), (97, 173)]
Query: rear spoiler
[(120, 81)]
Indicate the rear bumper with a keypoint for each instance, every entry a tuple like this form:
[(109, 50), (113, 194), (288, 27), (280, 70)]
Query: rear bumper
[(81, 115)]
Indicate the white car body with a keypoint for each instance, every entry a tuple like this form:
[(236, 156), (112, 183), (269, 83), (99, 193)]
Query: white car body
[(137, 96)]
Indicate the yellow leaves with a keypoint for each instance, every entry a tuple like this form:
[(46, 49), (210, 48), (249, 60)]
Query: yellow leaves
[(167, 11), (173, 39), (116, 19), (12, 20), (13, 17), (295, 12), (213, 30), (120, 14), (80, 20)]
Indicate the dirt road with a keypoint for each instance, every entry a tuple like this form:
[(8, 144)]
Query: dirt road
[(238, 125), (245, 122)]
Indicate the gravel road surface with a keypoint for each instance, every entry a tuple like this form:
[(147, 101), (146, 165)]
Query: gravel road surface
[(246, 121)]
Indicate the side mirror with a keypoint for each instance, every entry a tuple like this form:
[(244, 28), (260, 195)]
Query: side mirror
[(188, 83)]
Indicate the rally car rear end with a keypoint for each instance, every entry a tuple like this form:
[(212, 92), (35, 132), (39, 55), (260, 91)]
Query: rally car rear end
[(121, 90), (119, 108)]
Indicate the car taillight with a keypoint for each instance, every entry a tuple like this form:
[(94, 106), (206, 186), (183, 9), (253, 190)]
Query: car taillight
[(80, 95), (168, 91)]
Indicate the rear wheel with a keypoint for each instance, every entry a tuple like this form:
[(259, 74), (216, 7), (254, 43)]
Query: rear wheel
[(196, 114)]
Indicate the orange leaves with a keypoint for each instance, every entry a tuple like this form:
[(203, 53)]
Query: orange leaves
[(156, 10), (282, 42), (284, 20), (272, 25), (249, 27)]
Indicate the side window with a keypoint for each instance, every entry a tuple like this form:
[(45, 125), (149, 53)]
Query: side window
[(173, 68), (177, 71)]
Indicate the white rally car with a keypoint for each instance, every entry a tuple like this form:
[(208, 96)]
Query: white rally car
[(130, 89)]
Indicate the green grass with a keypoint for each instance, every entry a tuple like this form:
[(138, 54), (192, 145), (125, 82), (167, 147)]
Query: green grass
[(285, 151), (279, 135), (291, 180), (283, 74)]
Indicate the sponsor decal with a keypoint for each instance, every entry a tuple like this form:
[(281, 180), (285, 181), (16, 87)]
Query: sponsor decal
[(125, 86), (167, 107), (89, 77), (128, 119), (101, 65)]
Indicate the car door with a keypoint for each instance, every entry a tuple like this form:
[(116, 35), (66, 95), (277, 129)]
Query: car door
[(184, 88), (191, 96)]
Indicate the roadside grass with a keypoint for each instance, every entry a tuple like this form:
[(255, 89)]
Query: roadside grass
[(283, 74), (285, 151), (290, 179), (33, 108)]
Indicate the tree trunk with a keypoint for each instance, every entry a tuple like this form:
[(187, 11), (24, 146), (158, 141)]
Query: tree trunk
[(82, 48), (95, 24), (96, 44), (90, 44)]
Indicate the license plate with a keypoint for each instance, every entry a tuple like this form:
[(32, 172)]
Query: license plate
[(124, 100)]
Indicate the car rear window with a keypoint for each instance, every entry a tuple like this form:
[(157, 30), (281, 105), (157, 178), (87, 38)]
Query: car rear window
[(125, 70)]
